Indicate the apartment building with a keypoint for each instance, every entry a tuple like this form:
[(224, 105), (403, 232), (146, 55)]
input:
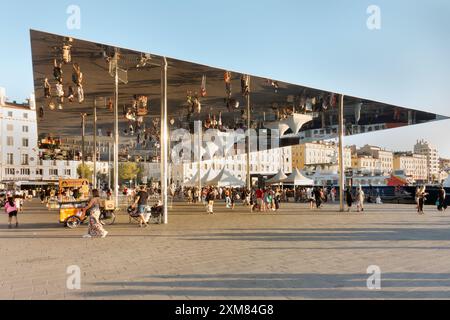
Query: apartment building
[(20, 157), (414, 165), (422, 147), (318, 153)]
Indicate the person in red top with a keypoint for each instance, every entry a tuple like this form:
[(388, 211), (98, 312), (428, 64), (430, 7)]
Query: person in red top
[(259, 199)]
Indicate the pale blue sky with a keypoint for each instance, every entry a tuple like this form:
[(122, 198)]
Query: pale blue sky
[(323, 44)]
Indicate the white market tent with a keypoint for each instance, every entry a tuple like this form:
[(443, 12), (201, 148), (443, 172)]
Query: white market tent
[(225, 179), (279, 178), (297, 179), (208, 176), (194, 181)]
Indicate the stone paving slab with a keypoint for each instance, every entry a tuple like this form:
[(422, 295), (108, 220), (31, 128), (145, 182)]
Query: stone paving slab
[(294, 254)]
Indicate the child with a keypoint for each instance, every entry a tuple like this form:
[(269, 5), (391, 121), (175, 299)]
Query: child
[(11, 210)]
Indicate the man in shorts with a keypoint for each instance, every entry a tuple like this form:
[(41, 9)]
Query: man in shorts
[(141, 204)]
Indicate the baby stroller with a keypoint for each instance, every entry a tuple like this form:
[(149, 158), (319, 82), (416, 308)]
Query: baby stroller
[(152, 214)]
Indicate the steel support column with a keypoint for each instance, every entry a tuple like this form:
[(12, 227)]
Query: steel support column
[(116, 135), (199, 130), (164, 143), (249, 178), (95, 145), (341, 154)]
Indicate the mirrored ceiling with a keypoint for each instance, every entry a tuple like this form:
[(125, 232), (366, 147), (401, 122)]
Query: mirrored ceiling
[(71, 76)]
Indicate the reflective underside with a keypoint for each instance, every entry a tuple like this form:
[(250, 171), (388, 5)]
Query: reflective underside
[(274, 104)]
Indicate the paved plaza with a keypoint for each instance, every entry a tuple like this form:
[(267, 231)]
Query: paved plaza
[(294, 254)]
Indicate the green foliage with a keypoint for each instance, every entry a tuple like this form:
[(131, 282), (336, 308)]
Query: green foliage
[(128, 171), (85, 172)]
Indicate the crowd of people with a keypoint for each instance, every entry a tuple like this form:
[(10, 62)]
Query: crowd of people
[(421, 197), (269, 199)]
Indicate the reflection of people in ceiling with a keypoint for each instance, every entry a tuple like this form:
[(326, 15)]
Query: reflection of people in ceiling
[(397, 114), (358, 108)]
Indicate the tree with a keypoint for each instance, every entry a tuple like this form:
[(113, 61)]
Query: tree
[(85, 172), (128, 171)]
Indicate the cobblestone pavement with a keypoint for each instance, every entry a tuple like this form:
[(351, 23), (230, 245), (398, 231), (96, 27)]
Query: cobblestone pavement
[(294, 254)]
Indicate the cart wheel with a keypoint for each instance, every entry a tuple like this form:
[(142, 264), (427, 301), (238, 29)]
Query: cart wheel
[(73, 222), (108, 219)]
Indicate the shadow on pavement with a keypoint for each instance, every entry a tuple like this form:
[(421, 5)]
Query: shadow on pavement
[(275, 286)]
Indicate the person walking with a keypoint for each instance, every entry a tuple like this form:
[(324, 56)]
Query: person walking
[(228, 198), (311, 199), (318, 196), (349, 199), (190, 196), (95, 229), (210, 198), (277, 199), (360, 197), (141, 204), (416, 197), (442, 206), (12, 211), (260, 199), (422, 198), (234, 198), (333, 194), (18, 199)]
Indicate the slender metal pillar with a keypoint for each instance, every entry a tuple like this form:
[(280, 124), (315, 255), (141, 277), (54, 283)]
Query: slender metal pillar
[(164, 143), (199, 158), (341, 154), (116, 134), (249, 178), (83, 133), (109, 165), (95, 145)]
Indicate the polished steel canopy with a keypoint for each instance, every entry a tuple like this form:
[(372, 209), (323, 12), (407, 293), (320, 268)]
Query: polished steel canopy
[(195, 93)]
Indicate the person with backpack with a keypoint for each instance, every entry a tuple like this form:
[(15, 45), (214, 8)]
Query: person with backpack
[(11, 210)]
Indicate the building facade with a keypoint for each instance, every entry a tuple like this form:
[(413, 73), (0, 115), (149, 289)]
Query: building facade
[(18, 142), (415, 166), (20, 157), (422, 147), (384, 158), (318, 153)]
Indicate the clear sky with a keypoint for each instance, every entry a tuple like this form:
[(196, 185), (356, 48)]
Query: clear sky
[(323, 44)]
